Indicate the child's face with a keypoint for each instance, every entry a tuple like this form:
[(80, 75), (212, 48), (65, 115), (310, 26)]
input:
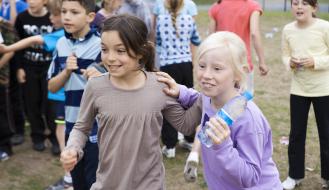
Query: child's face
[(112, 4), (36, 6), (302, 11), (75, 18), (215, 74), (115, 56), (56, 20)]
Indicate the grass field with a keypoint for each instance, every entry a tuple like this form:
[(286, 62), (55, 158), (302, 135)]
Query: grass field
[(30, 170)]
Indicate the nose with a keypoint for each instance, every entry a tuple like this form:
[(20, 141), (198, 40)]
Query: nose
[(207, 74)]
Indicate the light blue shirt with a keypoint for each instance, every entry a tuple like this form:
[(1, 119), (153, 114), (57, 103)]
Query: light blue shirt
[(87, 50)]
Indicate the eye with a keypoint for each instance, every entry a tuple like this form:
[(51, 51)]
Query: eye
[(201, 66), (104, 50), (121, 51), (63, 11)]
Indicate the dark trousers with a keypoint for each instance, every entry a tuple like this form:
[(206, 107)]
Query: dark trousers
[(299, 109), (183, 74), (5, 130), (37, 105), (16, 101), (84, 173)]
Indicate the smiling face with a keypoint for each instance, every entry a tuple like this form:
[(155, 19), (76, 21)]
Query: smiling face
[(302, 11), (75, 18), (215, 73), (115, 56)]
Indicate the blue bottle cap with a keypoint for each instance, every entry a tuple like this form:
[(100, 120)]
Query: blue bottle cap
[(247, 95), (224, 116)]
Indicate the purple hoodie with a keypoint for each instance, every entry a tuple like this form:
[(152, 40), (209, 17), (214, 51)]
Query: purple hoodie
[(243, 161)]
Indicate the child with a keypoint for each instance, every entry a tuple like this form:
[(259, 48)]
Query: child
[(305, 52), (136, 8), (5, 128), (8, 13), (175, 31), (129, 155), (242, 18), (34, 64), (75, 52), (241, 157)]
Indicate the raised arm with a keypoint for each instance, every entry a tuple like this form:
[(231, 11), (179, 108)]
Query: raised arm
[(22, 44)]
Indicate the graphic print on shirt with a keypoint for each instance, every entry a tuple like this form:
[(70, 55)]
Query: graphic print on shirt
[(37, 54)]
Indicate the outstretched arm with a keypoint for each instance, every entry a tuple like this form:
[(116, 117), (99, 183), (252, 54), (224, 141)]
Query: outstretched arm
[(22, 44), (256, 41)]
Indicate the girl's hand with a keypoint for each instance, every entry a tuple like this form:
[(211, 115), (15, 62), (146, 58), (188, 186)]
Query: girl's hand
[(69, 159), (263, 69), (307, 62), (172, 88), (219, 130), (90, 72), (294, 63)]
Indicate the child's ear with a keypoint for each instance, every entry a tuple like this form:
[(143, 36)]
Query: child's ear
[(91, 17)]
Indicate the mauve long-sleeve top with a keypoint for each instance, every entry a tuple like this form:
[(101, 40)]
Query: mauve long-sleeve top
[(130, 124)]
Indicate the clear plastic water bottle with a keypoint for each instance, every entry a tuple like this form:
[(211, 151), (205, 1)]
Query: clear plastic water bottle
[(228, 113)]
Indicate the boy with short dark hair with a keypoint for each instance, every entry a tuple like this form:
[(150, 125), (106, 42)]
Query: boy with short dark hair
[(75, 53)]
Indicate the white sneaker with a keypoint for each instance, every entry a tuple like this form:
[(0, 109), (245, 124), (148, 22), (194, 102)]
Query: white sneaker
[(184, 144), (169, 153), (191, 167), (290, 183), (325, 184)]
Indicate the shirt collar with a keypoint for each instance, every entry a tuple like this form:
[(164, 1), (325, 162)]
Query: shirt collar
[(91, 32)]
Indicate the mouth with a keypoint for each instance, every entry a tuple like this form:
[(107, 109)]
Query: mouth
[(299, 13), (207, 85), (67, 25), (114, 67)]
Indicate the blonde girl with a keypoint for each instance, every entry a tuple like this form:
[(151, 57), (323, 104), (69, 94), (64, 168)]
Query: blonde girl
[(241, 157)]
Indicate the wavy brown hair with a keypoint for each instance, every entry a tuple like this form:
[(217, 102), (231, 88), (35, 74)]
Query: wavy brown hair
[(133, 33)]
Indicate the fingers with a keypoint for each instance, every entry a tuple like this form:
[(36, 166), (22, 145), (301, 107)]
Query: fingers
[(219, 131), (69, 159), (72, 62), (90, 72)]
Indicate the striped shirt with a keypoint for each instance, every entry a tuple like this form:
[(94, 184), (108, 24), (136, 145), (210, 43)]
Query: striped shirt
[(87, 50)]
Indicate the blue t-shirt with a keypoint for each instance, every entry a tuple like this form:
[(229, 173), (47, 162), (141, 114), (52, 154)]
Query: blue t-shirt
[(50, 40), (5, 8)]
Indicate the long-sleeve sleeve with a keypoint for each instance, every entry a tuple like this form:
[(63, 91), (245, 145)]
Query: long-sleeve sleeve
[(322, 61), (187, 96), (185, 121), (286, 51), (240, 158), (84, 124)]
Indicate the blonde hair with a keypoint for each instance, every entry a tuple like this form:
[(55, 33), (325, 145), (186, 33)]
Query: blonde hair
[(174, 7), (237, 52), (54, 6)]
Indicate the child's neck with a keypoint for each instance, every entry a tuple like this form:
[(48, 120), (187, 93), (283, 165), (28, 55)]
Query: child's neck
[(133, 81), (220, 100), (306, 23), (82, 33), (40, 13)]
